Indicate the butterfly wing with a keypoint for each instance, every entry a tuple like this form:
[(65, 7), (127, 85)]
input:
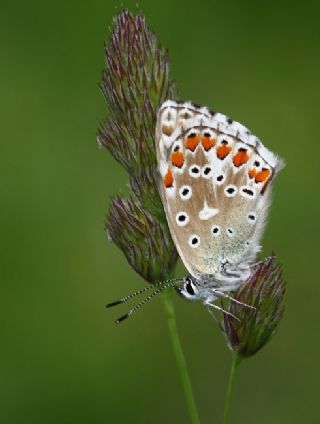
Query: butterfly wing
[(215, 185)]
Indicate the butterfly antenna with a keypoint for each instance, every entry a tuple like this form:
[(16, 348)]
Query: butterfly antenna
[(136, 293), (129, 296), (138, 306)]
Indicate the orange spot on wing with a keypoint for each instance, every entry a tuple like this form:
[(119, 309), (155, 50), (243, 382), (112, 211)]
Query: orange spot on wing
[(252, 173), (177, 159), (168, 179), (192, 142), (223, 151), (262, 175), (240, 158), (207, 143)]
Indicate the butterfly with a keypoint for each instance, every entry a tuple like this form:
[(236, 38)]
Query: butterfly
[(215, 180)]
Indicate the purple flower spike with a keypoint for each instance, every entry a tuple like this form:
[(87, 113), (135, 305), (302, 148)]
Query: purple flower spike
[(265, 291)]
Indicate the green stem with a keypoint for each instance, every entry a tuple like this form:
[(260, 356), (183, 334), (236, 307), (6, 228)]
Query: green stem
[(233, 374), (180, 359)]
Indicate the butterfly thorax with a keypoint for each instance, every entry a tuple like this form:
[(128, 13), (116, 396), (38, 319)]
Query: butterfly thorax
[(226, 276)]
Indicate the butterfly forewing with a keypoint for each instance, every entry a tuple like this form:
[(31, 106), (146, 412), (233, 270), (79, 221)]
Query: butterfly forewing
[(215, 179)]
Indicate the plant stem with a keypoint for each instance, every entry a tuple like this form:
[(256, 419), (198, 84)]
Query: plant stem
[(180, 359), (233, 374)]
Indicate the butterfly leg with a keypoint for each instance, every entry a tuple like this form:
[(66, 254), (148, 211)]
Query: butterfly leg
[(232, 299), (219, 323), (212, 314), (212, 305)]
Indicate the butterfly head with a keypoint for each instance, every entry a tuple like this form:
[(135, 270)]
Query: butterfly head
[(193, 289), (189, 288)]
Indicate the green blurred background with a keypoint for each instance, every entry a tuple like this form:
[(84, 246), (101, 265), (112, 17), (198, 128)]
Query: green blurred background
[(62, 358)]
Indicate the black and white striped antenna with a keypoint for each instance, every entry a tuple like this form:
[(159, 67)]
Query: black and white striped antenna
[(159, 287)]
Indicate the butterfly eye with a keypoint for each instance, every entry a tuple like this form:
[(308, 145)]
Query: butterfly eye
[(230, 232), (194, 241), (215, 230), (182, 219), (185, 192), (251, 217), (189, 288), (194, 171), (230, 190)]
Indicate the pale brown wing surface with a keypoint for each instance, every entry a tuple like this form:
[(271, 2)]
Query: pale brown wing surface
[(215, 182)]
